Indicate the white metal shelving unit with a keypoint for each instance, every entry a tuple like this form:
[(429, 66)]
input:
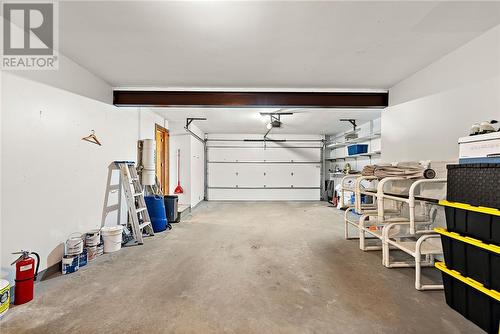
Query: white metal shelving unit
[(336, 154), (353, 141), (354, 156)]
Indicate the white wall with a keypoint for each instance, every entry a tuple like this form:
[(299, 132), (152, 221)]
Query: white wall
[(182, 142), (73, 78), (53, 183), (2, 274), (431, 109), (146, 117), (197, 171), (192, 171)]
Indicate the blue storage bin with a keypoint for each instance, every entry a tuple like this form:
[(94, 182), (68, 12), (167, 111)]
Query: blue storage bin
[(357, 149), (156, 210)]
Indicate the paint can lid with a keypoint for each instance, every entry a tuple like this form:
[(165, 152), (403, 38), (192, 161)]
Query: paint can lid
[(112, 229)]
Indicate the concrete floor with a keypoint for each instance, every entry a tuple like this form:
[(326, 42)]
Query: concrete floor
[(240, 268)]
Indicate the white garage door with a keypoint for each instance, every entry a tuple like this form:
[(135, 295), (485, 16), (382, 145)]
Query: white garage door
[(241, 169)]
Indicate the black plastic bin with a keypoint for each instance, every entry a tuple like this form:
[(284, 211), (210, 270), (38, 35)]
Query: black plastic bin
[(171, 208), (479, 223), (470, 299), (475, 184), (472, 258)]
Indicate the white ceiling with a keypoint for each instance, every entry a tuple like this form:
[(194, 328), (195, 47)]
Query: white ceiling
[(249, 120), (256, 44), (294, 45)]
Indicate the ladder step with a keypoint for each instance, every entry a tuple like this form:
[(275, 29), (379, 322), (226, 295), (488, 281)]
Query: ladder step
[(143, 225), (134, 194), (111, 208)]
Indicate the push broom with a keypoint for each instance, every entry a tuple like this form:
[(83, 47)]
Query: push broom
[(178, 189)]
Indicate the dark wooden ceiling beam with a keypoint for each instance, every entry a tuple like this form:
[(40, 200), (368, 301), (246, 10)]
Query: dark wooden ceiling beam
[(250, 99)]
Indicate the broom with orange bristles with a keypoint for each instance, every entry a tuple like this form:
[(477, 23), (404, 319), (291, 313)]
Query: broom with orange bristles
[(178, 189)]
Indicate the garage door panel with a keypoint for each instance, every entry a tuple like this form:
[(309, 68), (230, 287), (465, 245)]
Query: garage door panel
[(259, 154), (296, 175), (222, 175), (263, 175), (278, 175), (234, 154), (235, 175), (306, 175), (249, 175), (292, 154), (264, 195), (255, 173)]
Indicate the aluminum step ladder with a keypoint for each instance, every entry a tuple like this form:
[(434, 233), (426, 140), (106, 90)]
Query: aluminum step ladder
[(134, 193)]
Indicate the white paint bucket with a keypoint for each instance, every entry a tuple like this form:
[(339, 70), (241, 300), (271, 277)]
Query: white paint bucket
[(100, 249), (74, 244), (92, 238), (91, 252), (112, 236)]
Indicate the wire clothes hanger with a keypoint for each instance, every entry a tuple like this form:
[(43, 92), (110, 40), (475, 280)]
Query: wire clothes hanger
[(92, 139)]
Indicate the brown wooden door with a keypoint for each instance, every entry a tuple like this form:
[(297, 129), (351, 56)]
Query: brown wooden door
[(162, 157)]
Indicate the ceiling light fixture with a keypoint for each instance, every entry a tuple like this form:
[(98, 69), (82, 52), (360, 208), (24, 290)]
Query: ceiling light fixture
[(275, 118)]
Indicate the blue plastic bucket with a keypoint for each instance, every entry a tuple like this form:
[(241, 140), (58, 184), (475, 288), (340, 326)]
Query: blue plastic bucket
[(156, 210)]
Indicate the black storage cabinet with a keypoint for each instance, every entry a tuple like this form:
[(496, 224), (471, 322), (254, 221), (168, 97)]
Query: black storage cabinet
[(474, 184), (172, 208)]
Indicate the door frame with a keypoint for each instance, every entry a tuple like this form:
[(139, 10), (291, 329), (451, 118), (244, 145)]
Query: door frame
[(164, 176)]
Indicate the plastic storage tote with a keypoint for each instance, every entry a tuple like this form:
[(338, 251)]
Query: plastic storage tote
[(471, 299), (156, 210), (472, 221), (472, 258), (357, 149), (475, 184)]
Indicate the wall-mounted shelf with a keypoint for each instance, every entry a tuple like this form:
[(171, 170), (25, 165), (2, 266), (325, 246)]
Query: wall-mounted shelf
[(355, 156), (353, 141), (336, 152)]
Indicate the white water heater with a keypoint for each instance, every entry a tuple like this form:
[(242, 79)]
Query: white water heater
[(148, 162)]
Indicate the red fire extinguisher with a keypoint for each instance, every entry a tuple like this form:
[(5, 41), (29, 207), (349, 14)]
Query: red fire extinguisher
[(25, 276)]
